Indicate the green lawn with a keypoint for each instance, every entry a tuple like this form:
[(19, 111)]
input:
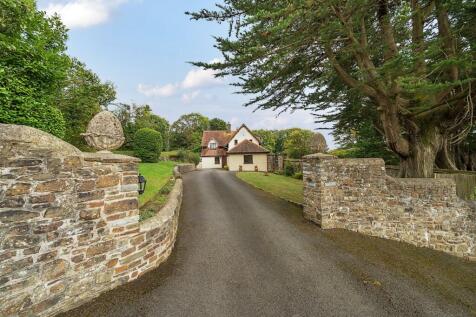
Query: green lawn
[(278, 185), (157, 175)]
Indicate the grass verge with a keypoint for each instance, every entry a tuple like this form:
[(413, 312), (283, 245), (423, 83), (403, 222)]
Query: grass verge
[(157, 175), (151, 208), (288, 188)]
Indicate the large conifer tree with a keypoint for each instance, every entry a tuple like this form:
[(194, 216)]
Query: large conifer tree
[(411, 62)]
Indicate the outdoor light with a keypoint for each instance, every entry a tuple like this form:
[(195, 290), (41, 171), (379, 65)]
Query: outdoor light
[(142, 183)]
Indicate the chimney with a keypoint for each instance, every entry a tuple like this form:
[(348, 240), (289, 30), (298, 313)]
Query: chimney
[(228, 126)]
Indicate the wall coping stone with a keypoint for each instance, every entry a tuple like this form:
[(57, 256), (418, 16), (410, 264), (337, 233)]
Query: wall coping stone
[(106, 157), (35, 138), (318, 156)]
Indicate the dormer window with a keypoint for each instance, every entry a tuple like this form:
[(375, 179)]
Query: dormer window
[(212, 145)]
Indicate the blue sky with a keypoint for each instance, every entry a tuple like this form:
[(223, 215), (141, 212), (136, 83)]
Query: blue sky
[(143, 46)]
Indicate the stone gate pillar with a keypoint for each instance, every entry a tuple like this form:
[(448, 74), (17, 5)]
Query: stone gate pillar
[(316, 181)]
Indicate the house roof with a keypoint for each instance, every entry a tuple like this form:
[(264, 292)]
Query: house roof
[(221, 136), (233, 133), (246, 146), (210, 152)]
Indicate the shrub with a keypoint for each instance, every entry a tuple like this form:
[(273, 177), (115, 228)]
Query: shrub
[(188, 157), (298, 175), (147, 145), (34, 114), (288, 169)]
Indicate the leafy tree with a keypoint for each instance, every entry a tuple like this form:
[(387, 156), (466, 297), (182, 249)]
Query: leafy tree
[(124, 112), (147, 145), (298, 143), (267, 139), (134, 117), (186, 132), (218, 124), (82, 97), (410, 62), (33, 66)]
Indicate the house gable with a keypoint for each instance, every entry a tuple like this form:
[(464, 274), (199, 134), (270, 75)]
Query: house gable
[(241, 134)]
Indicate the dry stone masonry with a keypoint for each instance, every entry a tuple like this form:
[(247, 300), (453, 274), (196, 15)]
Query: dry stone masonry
[(69, 224), (357, 194)]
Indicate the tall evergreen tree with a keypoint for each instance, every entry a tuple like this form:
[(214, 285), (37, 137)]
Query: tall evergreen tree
[(411, 62)]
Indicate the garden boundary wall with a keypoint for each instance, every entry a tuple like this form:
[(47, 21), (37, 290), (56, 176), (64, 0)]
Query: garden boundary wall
[(358, 195), (69, 224)]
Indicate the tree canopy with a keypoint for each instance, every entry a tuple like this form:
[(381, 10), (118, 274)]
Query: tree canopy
[(33, 66), (186, 132), (410, 63), (83, 96), (218, 124)]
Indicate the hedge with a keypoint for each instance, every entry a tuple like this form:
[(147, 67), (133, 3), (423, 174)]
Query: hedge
[(147, 145)]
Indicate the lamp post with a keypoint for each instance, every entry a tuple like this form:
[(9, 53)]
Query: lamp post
[(142, 183)]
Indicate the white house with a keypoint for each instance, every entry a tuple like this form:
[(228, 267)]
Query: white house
[(240, 150)]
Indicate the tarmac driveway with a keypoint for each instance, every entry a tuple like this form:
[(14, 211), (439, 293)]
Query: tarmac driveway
[(243, 252)]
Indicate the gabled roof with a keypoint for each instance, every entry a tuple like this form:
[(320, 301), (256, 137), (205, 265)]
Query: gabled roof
[(247, 146), (221, 136), (243, 126)]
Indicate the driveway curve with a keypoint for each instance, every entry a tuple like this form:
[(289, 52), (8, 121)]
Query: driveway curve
[(243, 252)]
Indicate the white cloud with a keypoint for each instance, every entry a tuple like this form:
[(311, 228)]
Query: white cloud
[(200, 77), (189, 97), (161, 91), (195, 78), (83, 13)]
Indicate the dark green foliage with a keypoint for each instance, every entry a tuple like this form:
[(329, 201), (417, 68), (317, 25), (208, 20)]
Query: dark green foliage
[(134, 117), (33, 66), (144, 118), (289, 169), (410, 63), (358, 136), (83, 96), (186, 132), (218, 124), (298, 175), (147, 145)]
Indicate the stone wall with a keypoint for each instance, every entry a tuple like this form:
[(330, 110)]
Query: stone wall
[(69, 224), (356, 194), (185, 168)]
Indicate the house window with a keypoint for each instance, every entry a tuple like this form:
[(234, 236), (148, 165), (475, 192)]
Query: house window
[(217, 160), (213, 145), (236, 142), (248, 159)]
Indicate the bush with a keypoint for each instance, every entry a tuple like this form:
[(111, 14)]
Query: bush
[(34, 114), (188, 157), (288, 169), (147, 145), (298, 175)]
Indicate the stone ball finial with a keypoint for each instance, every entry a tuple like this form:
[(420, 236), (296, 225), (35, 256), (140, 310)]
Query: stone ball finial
[(318, 143), (104, 132)]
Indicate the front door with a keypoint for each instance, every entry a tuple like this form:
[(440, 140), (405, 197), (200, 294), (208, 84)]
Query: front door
[(223, 161)]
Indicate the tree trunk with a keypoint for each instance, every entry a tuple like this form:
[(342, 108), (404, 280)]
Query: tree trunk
[(421, 161), (447, 156)]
